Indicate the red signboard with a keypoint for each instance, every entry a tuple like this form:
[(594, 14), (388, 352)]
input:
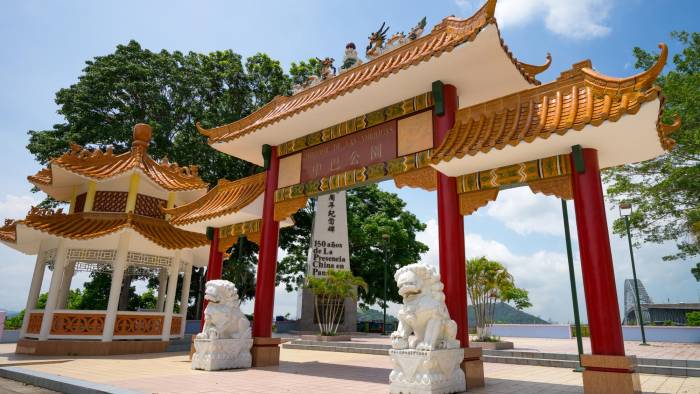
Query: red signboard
[(373, 145)]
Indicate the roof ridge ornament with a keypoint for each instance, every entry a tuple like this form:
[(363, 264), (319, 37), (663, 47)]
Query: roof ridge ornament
[(379, 44), (532, 70), (142, 137)]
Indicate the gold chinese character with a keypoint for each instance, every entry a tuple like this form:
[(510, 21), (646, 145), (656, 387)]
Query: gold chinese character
[(316, 170), (335, 164), (354, 158), (375, 152)]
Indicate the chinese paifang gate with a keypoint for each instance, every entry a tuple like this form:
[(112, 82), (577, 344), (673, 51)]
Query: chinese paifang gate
[(454, 111)]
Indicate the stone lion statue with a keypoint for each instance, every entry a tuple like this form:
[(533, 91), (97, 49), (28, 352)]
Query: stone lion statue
[(223, 318), (424, 322)]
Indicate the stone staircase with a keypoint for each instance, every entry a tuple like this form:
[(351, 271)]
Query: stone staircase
[(180, 345), (558, 360)]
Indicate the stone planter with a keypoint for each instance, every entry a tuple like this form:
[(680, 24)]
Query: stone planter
[(500, 345), (327, 338)]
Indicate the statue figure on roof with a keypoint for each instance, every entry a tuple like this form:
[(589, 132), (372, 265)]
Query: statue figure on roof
[(379, 44), (327, 71), (350, 59)]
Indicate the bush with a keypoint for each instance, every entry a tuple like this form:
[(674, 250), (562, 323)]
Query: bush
[(14, 322), (693, 318)]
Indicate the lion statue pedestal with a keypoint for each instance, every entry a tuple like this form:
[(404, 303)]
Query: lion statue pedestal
[(425, 354), (225, 340)]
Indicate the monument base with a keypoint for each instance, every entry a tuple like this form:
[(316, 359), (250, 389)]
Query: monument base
[(266, 352), (610, 374), (426, 371), (473, 367), (306, 311), (218, 354)]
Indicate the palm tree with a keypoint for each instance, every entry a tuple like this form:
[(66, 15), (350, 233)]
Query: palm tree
[(488, 283), (330, 292)]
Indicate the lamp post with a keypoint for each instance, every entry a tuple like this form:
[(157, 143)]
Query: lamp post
[(572, 279), (385, 237), (625, 212)]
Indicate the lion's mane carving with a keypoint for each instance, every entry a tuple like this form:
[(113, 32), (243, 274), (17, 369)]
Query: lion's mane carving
[(424, 322), (223, 318)]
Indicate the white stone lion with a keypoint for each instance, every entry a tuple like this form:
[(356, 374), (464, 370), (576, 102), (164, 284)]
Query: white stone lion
[(424, 322), (223, 318)]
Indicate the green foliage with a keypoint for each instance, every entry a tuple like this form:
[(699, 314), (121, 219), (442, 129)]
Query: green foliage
[(665, 192), (696, 272), (491, 283), (95, 293), (14, 322), (300, 72), (693, 318), (239, 268), (371, 213), (330, 293), (168, 90)]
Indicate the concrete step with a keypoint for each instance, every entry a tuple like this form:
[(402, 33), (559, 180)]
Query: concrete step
[(558, 360)]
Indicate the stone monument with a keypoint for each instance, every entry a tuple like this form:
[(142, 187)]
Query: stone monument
[(225, 340), (425, 354)]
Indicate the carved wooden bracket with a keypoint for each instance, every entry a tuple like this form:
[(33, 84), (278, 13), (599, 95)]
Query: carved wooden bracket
[(559, 186), (287, 208), (424, 178), (470, 202)]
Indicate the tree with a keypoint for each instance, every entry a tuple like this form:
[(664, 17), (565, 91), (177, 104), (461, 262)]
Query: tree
[(371, 213), (170, 91), (491, 283), (665, 191), (330, 293)]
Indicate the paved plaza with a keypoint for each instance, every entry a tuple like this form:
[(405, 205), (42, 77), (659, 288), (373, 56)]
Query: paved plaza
[(665, 350), (302, 371)]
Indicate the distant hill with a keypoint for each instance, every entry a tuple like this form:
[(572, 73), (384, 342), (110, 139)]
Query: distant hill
[(504, 314), (508, 315), (373, 315)]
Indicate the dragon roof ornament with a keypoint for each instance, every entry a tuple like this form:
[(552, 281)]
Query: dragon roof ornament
[(444, 37)]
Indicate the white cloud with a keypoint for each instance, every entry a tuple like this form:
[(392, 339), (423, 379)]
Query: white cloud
[(527, 213), (579, 19), (16, 207), (543, 273)]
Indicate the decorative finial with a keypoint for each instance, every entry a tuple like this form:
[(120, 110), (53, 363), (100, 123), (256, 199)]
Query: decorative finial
[(142, 134)]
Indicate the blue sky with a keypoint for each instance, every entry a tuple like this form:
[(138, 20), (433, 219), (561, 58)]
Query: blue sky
[(44, 46)]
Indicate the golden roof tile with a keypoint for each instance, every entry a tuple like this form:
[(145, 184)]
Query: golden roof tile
[(444, 37), (225, 198), (88, 225), (579, 97), (99, 165)]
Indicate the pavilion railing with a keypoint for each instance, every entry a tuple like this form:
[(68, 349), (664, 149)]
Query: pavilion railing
[(89, 324)]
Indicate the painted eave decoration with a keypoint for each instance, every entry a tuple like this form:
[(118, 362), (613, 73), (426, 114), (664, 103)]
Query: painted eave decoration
[(579, 98), (101, 165), (90, 225), (226, 198), (445, 36)]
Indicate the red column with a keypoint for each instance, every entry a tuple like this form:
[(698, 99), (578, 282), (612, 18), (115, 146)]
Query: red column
[(215, 266), (451, 226), (267, 257), (596, 258)]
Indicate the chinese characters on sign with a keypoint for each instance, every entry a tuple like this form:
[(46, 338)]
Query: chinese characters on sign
[(329, 242), (373, 145)]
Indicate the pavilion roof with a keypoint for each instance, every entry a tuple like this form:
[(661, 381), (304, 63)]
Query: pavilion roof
[(579, 97), (225, 198), (101, 165), (89, 225), (445, 36)]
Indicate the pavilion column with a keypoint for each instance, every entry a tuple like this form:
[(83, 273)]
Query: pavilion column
[(54, 288), (34, 290), (118, 269), (607, 369), (215, 266), (185, 296), (451, 237), (65, 285), (162, 280), (266, 349), (170, 296)]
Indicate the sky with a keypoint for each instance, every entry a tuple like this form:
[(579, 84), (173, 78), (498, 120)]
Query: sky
[(44, 45)]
